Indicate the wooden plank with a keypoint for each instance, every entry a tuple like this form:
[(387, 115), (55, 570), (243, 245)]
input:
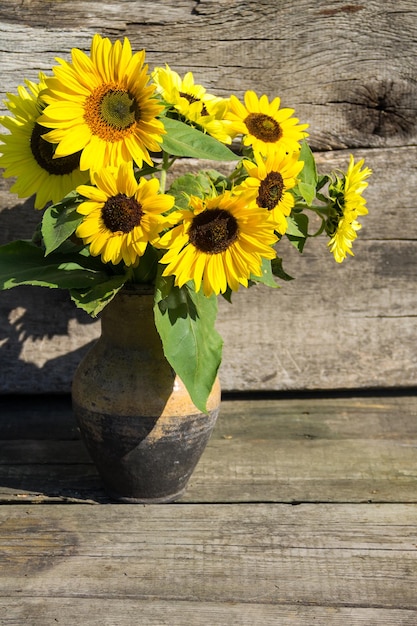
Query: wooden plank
[(305, 450), (348, 69), (39, 417), (125, 612), (358, 561), (333, 327)]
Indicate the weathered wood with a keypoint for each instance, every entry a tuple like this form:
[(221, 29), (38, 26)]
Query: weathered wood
[(333, 327), (347, 69), (126, 612), (231, 552), (209, 564), (306, 450)]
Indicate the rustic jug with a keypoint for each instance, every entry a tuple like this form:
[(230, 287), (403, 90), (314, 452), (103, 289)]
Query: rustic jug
[(135, 415)]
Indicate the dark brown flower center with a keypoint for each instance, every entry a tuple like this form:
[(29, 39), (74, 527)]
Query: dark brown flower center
[(121, 213), (263, 127), (192, 99), (213, 231), (43, 152), (270, 191)]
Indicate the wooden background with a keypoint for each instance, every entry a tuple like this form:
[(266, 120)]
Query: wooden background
[(349, 70)]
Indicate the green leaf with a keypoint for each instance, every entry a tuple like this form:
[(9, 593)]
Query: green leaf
[(146, 270), (185, 321), (323, 179), (297, 229), (308, 175), (189, 185), (227, 295), (309, 171), (94, 300), (278, 270), (163, 288), (297, 225), (267, 276), (183, 140), (307, 192), (218, 180), (23, 263), (146, 170), (60, 221)]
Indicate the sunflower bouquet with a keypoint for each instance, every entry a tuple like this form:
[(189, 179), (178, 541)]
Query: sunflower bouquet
[(94, 143)]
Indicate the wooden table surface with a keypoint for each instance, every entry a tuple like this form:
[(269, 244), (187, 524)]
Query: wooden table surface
[(301, 511)]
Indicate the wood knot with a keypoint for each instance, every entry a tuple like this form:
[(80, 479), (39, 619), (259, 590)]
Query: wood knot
[(385, 109)]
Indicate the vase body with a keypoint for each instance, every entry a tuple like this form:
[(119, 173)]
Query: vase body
[(135, 415)]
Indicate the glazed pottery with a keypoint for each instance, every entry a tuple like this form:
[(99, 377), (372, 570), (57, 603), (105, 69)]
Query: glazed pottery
[(135, 415)]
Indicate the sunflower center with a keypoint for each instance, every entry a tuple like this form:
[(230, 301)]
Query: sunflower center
[(121, 213), (118, 109), (192, 99), (213, 231), (263, 127), (43, 152), (270, 191), (111, 112)]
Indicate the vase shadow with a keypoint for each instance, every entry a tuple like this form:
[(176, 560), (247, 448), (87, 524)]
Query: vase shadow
[(38, 331), (42, 455)]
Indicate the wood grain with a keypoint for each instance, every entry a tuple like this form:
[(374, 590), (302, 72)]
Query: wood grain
[(154, 612), (240, 548), (348, 70), (334, 326), (332, 450), (358, 562)]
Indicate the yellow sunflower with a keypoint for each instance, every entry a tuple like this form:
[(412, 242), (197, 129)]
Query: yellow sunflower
[(103, 106), (268, 184), (121, 215), (220, 243), (26, 155), (193, 102), (349, 203), (264, 125)]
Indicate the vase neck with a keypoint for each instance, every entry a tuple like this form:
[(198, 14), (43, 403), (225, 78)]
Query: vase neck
[(128, 321)]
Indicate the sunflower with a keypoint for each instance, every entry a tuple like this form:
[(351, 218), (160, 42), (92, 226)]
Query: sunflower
[(268, 184), (26, 155), (103, 106), (192, 102), (264, 125), (348, 204), (121, 215), (219, 244)]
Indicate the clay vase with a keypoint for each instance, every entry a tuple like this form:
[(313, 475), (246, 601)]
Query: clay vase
[(135, 415)]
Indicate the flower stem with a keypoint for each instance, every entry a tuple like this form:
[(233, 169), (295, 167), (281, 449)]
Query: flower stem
[(166, 164), (320, 230), (163, 177)]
